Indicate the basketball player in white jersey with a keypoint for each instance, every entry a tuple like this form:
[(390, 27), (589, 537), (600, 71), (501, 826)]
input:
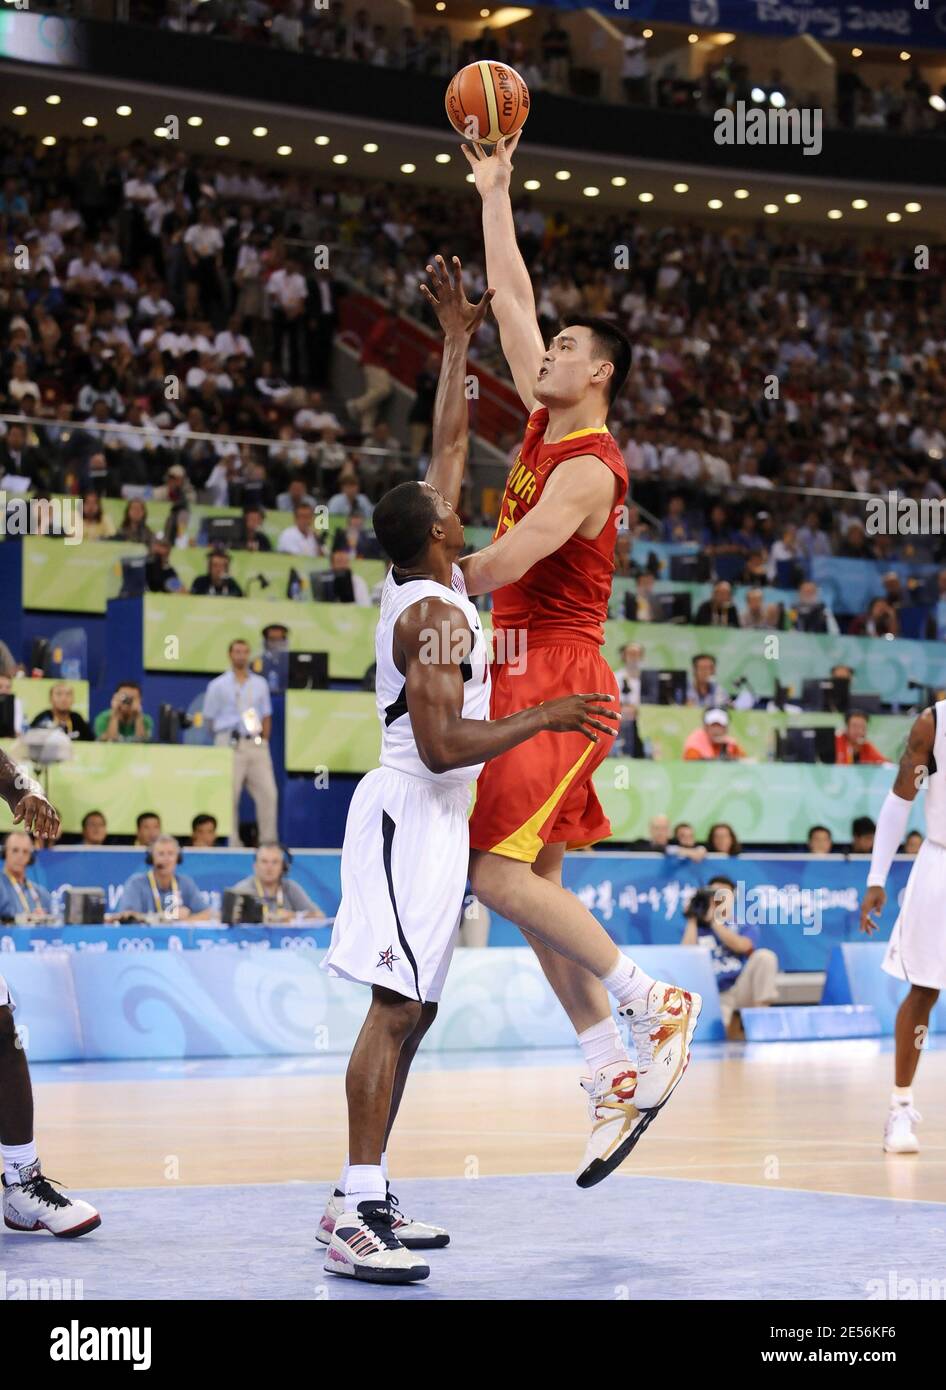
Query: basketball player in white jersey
[(916, 951), (406, 849), (30, 1201)]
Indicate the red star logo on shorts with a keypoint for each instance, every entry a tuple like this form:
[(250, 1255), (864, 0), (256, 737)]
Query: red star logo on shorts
[(387, 957)]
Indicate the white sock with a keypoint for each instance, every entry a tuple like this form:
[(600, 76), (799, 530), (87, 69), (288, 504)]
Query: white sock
[(627, 981), (364, 1183), (384, 1166), (902, 1095), (602, 1044), (17, 1156), (344, 1177)]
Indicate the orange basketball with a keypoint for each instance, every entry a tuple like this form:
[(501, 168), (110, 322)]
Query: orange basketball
[(487, 100)]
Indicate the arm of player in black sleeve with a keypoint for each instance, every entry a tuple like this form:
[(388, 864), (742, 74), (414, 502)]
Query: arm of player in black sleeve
[(26, 800), (431, 640), (451, 426)]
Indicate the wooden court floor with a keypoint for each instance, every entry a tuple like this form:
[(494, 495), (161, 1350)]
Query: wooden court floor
[(807, 1116)]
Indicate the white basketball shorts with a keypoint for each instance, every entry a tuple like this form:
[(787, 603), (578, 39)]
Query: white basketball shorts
[(916, 950), (405, 860)]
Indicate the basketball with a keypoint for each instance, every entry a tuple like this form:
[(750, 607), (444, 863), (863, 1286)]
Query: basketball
[(487, 100)]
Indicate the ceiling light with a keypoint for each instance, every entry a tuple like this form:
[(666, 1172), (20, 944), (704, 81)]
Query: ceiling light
[(470, 178), (693, 38), (562, 175), (893, 217), (442, 158), (937, 102), (195, 121), (408, 168), (322, 140), (222, 140), (681, 188), (260, 130), (370, 148), (619, 181), (793, 197), (777, 99), (591, 191), (53, 100), (741, 193), (913, 207), (860, 204), (904, 56), (857, 52), (49, 140), (283, 150), (648, 33), (715, 203), (161, 132), (835, 214), (532, 185), (758, 95), (339, 158), (645, 197), (19, 110), (771, 208), (90, 120)]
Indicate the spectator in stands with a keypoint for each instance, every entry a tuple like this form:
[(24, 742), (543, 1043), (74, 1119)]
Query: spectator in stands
[(295, 496), (20, 898), (134, 524), (880, 620), (161, 891), (378, 354), (684, 846), (300, 538), (718, 610), (94, 829), (810, 614), (203, 832), (676, 526), (755, 615), (635, 70), (275, 638), (216, 583), (722, 839), (270, 884), (8, 664), (745, 973), (254, 537), (421, 413), (820, 840), (124, 721), (160, 575), (639, 607), (556, 55), (712, 739), (912, 843), (833, 702), (238, 709), (61, 714), (812, 539), (348, 586), (147, 828), (703, 688), (659, 842), (851, 744), (936, 623), (350, 500), (786, 553), (862, 835), (96, 525), (20, 724), (629, 743), (287, 291)]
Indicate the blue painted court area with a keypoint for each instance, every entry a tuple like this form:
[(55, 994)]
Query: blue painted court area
[(529, 1238)]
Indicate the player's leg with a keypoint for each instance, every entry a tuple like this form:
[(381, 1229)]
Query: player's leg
[(30, 1202), (362, 1244), (913, 1018), (416, 1235)]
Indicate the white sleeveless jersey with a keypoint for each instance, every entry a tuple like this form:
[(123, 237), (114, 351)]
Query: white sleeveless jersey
[(398, 749), (935, 808)]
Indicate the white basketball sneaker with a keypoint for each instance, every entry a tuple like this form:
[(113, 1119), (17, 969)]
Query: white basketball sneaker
[(33, 1204), (899, 1134), (363, 1246), (413, 1234), (662, 1026), (616, 1122)]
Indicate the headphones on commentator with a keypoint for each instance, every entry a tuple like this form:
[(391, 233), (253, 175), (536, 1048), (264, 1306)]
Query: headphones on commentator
[(286, 853), (149, 857), (3, 850)]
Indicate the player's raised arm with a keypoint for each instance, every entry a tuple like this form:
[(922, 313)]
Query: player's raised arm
[(27, 801), (577, 490), (894, 814), (459, 320), (514, 305), (431, 641)]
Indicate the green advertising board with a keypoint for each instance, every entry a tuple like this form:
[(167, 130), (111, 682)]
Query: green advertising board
[(193, 634), (34, 694), (179, 781)]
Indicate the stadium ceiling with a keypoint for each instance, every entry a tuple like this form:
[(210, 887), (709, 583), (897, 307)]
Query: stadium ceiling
[(321, 142)]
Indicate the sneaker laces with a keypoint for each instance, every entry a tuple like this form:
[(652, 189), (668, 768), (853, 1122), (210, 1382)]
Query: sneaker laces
[(379, 1219), (912, 1115), (641, 1028), (41, 1188)]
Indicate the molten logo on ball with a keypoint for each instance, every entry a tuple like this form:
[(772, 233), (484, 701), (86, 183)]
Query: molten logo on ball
[(486, 101)]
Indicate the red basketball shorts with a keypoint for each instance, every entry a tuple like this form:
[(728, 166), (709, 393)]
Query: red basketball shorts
[(540, 792)]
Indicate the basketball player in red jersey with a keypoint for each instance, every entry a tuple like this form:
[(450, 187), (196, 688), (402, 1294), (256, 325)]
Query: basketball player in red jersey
[(550, 567)]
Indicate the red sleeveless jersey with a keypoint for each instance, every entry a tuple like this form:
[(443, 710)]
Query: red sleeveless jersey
[(564, 597)]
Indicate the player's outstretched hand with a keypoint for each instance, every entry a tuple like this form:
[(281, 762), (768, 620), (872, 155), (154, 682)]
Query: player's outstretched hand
[(38, 816), (492, 170), (872, 905), (449, 302), (582, 713)]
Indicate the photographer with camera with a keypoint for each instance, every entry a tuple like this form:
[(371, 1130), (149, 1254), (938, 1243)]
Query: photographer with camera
[(124, 721), (745, 973)]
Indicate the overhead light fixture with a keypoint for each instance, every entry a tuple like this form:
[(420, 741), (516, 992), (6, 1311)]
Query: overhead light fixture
[(90, 121), (370, 148), (195, 121), (693, 38), (339, 158), (904, 56), (681, 188), (715, 203), (758, 95), (835, 214), (619, 181), (913, 207), (793, 197), (160, 132), (562, 175), (260, 130), (222, 140), (893, 217), (648, 33), (937, 102), (771, 208), (591, 191), (470, 178), (645, 197), (442, 158), (408, 168), (532, 185), (19, 110), (322, 140), (49, 140), (859, 204), (857, 52), (283, 150), (777, 99), (741, 193), (122, 110), (53, 99)]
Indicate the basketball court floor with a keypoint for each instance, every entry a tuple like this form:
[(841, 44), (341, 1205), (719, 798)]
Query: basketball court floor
[(763, 1178)]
